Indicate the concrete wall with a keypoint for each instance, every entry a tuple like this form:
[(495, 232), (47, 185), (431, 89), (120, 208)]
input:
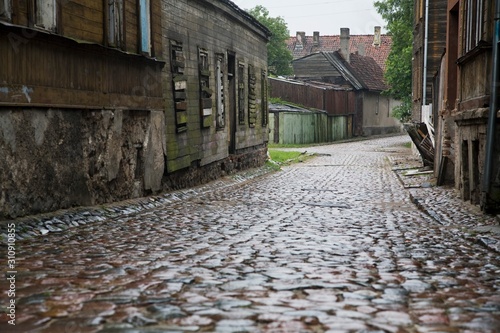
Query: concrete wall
[(377, 114)]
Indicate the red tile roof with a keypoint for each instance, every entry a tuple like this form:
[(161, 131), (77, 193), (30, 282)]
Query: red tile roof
[(368, 71), (332, 43)]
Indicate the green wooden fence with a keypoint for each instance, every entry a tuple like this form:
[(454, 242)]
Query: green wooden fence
[(308, 127)]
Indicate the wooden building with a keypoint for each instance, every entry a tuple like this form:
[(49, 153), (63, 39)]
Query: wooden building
[(217, 73), (429, 42), (107, 100), (461, 95), (357, 77), (376, 46)]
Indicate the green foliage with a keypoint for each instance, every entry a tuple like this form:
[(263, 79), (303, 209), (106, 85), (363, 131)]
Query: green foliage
[(399, 17), (276, 100), (278, 56), (403, 111), (286, 157)]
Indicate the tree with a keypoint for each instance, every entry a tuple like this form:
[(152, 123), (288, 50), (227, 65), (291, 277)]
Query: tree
[(398, 74), (278, 56)]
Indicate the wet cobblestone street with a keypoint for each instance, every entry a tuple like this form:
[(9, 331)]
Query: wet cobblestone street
[(334, 244)]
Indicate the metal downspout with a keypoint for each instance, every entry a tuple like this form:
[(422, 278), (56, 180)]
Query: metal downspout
[(492, 117), (426, 51)]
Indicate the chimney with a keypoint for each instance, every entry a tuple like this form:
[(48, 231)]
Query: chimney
[(361, 49), (301, 37), (344, 43), (376, 37), (301, 40), (316, 38)]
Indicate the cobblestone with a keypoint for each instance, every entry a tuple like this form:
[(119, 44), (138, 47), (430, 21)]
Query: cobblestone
[(334, 244)]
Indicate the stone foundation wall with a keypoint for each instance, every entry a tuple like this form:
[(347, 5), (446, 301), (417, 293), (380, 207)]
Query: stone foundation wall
[(195, 175), (54, 159)]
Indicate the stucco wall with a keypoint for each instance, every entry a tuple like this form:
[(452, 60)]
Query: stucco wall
[(377, 114)]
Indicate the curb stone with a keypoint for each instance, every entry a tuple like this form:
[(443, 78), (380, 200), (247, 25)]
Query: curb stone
[(61, 220), (478, 227)]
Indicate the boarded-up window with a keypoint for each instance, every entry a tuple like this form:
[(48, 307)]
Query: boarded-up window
[(252, 97), (205, 91), (241, 94), (219, 83), (179, 84), (45, 14), (264, 100), (5, 10), (145, 26), (115, 23)]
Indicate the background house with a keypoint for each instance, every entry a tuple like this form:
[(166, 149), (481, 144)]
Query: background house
[(100, 103), (355, 75), (376, 46)]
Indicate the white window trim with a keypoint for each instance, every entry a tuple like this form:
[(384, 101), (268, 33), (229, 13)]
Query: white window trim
[(473, 23), (5, 9), (219, 78), (46, 14)]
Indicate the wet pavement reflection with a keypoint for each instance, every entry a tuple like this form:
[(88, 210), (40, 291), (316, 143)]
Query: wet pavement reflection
[(334, 244)]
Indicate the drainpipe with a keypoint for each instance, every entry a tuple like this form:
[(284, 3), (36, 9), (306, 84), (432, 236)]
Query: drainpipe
[(492, 117), (426, 48)]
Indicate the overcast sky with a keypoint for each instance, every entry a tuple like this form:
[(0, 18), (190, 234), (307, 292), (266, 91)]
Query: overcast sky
[(325, 16)]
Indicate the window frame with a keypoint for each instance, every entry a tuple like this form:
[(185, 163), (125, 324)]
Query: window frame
[(41, 21), (115, 34), (6, 10), (145, 43), (472, 24), (220, 93)]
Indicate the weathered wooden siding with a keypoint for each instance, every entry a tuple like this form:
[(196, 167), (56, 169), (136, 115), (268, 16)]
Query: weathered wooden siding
[(435, 49), (436, 43), (83, 20), (475, 87), (340, 102), (308, 127), (335, 102), (298, 93), (87, 20), (90, 76), (316, 67), (214, 28), (84, 119), (103, 111)]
